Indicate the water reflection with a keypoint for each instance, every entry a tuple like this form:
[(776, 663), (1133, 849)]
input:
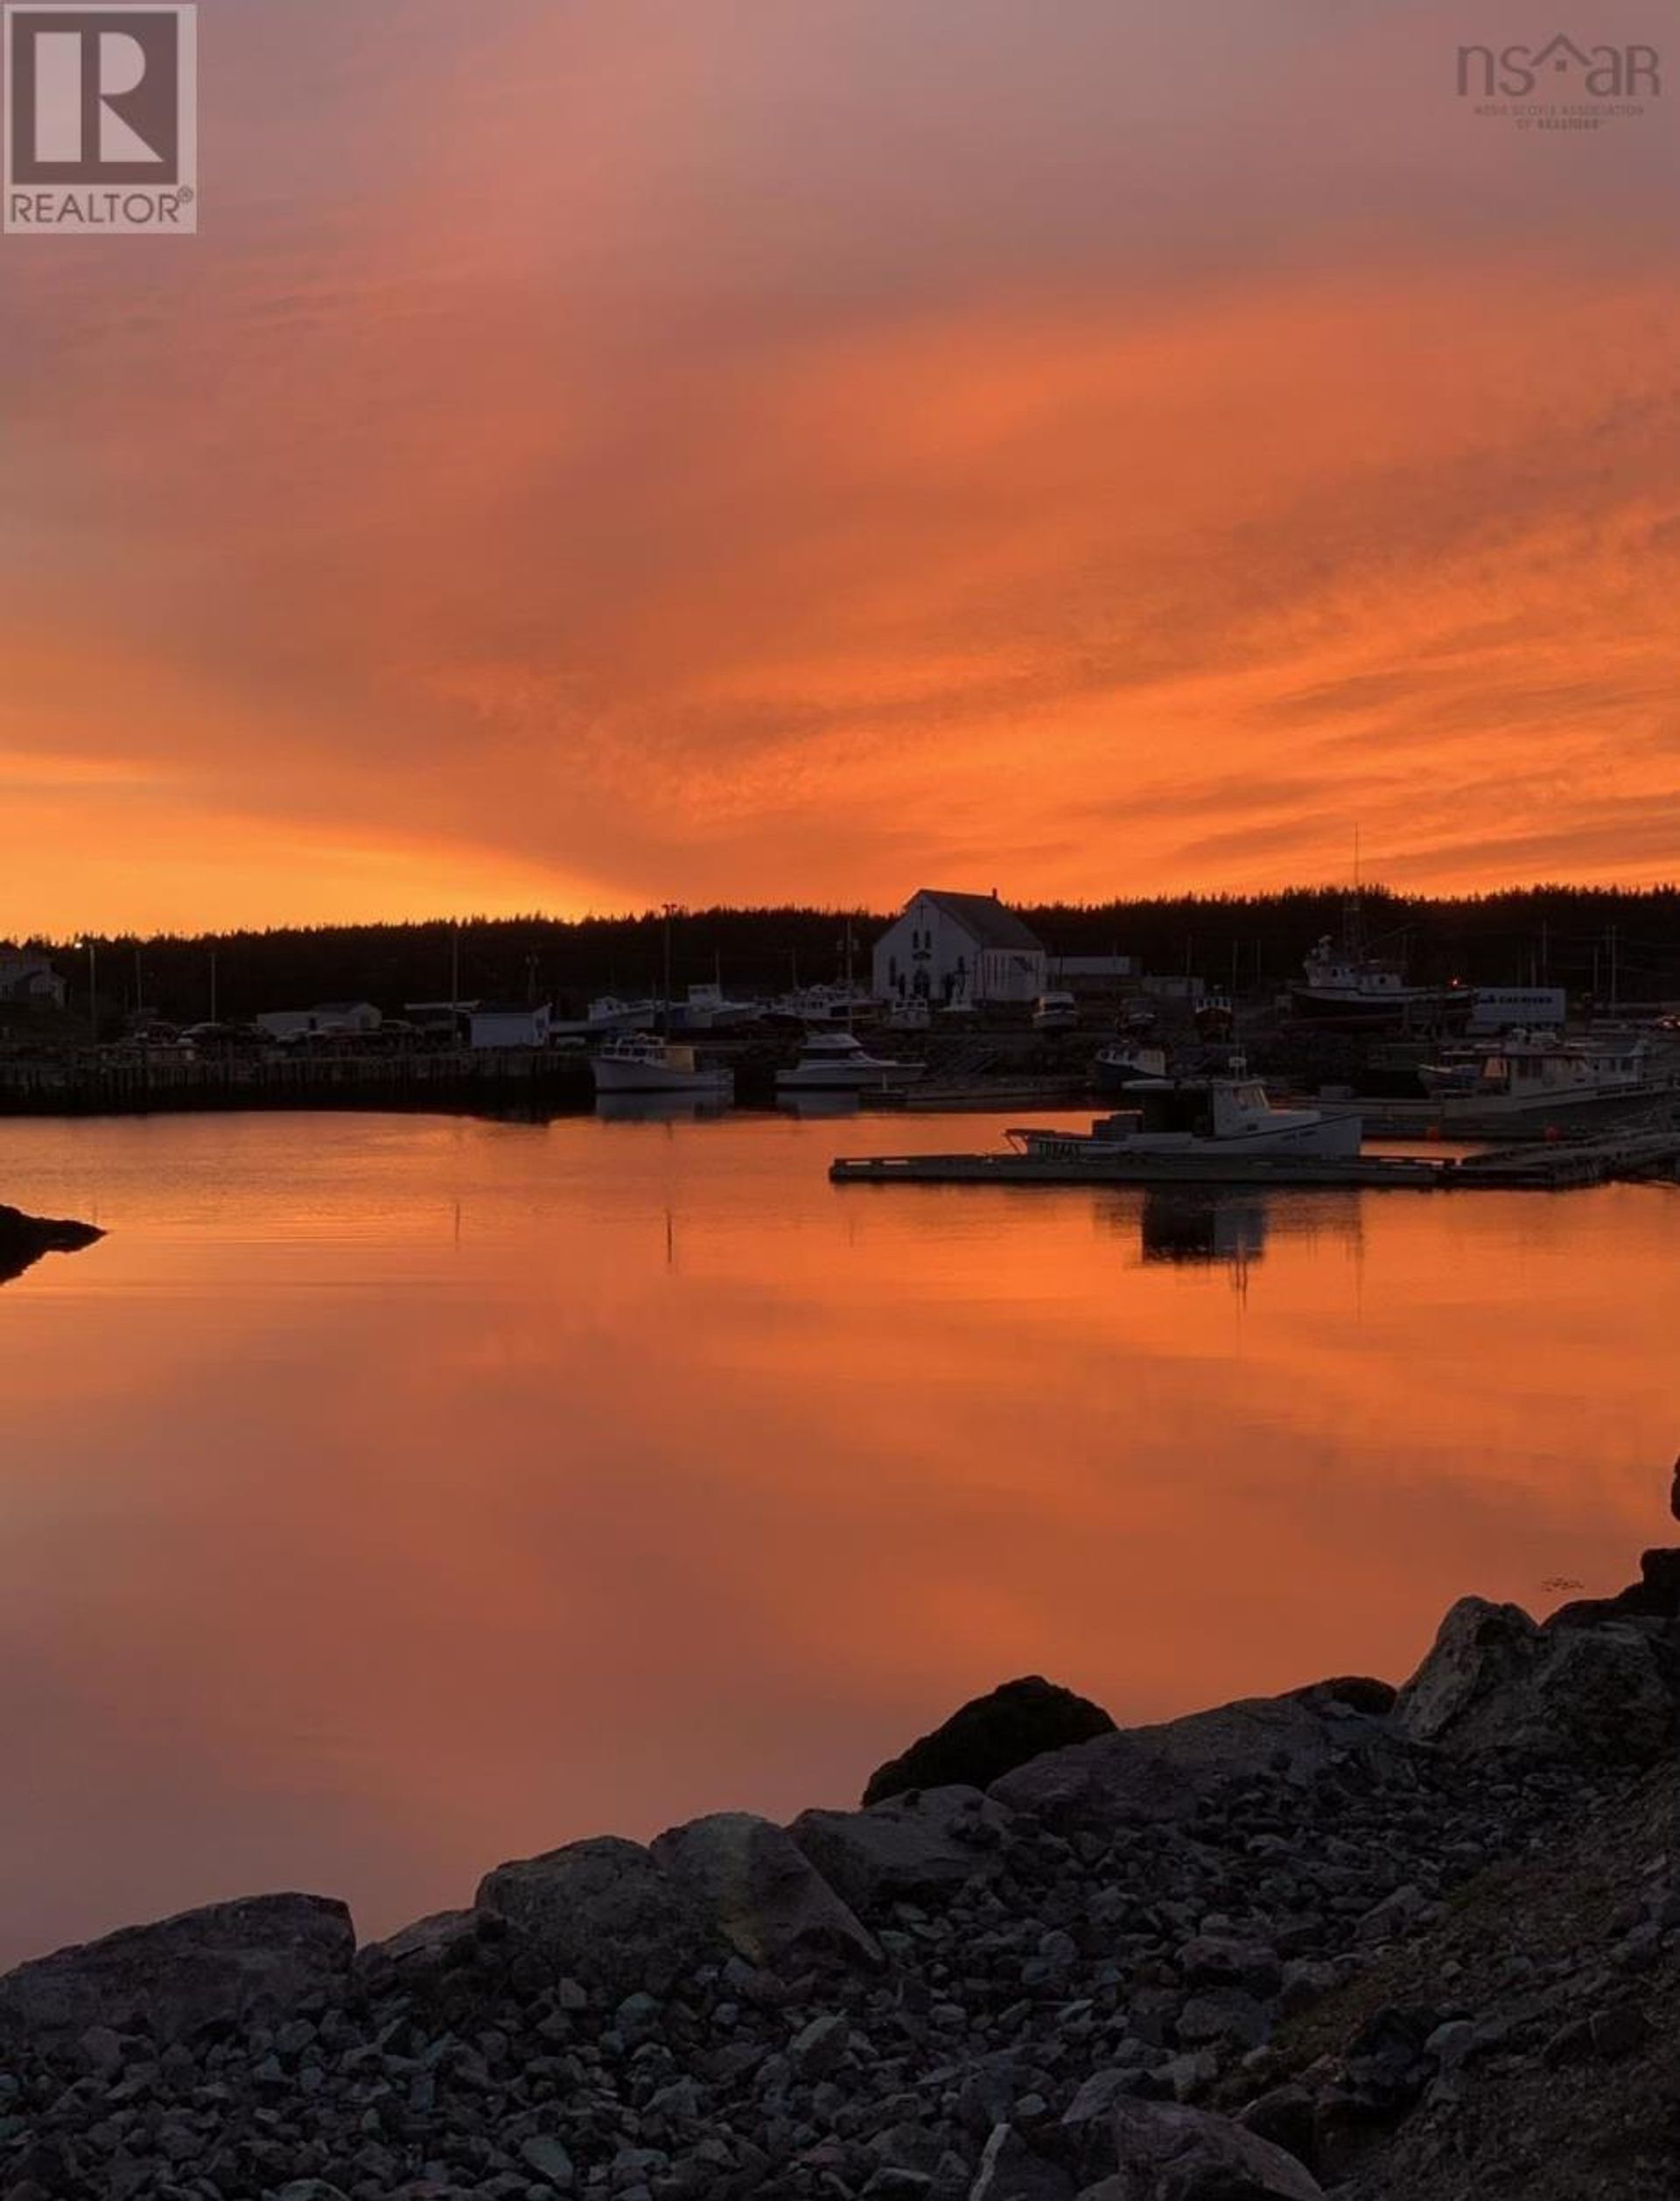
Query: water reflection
[(818, 1107), (658, 1108), (1180, 1224), (386, 1495)]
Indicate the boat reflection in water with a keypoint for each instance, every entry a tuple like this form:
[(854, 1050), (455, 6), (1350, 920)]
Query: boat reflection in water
[(1206, 1226), (807, 1106), (1184, 1226), (659, 1108)]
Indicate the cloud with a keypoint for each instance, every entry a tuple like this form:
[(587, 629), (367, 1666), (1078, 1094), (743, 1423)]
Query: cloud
[(620, 456)]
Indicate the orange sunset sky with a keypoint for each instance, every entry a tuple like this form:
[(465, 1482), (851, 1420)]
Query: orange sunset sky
[(599, 451)]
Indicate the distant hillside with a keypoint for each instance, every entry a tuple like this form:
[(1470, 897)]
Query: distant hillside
[(1588, 939)]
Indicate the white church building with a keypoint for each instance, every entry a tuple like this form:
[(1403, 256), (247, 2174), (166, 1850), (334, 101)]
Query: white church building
[(950, 947)]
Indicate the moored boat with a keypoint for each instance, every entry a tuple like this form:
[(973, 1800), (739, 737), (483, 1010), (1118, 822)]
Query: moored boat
[(641, 1062), (839, 1063), (1221, 1117), (1540, 1068), (1123, 1063)]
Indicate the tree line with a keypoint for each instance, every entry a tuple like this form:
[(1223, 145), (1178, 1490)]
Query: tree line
[(1606, 943)]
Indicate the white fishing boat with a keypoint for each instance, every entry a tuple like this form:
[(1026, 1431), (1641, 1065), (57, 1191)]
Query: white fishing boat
[(1540, 1068), (823, 1005), (839, 1063), (1124, 1061), (708, 1009), (609, 1013), (1222, 1118), (642, 1062), (1055, 1012)]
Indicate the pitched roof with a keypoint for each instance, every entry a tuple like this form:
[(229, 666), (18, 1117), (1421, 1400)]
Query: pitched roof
[(985, 917)]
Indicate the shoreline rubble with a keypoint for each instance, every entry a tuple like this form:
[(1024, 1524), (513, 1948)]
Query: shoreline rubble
[(1344, 1941)]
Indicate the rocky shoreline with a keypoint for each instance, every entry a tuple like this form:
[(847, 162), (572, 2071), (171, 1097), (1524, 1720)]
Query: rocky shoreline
[(26, 1238), (1346, 1941)]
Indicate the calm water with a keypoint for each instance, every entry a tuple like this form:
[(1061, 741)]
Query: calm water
[(389, 1496)]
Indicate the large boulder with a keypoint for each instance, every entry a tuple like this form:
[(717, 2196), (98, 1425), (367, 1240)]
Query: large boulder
[(761, 1892), (1163, 1771), (1496, 1683), (222, 1965), (25, 1238), (991, 1737), (605, 1912), (450, 1962), (1112, 1781), (1169, 2152), (924, 1844), (1297, 1736), (1656, 1595)]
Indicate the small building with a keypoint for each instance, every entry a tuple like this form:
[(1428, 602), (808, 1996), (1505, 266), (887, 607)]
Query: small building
[(328, 1020), (950, 949), (28, 980), (510, 1024)]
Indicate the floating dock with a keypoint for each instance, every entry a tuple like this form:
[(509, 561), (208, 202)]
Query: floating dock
[(1554, 1169)]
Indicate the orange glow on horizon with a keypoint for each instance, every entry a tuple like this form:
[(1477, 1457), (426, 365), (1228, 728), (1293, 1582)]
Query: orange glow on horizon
[(755, 462)]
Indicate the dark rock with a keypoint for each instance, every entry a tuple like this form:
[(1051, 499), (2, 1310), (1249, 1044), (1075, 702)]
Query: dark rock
[(1009, 2170), (1111, 1781), (932, 1841), (223, 1964), (762, 1893), (1656, 1595), (1496, 1683), (604, 1911), (1286, 2117), (1168, 2152), (26, 1238), (1359, 1692), (991, 1737), (1618, 2031)]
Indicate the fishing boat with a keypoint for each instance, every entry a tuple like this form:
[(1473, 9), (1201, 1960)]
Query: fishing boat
[(839, 1063), (708, 1009), (1055, 1012), (1123, 1063), (642, 1062), (1540, 1068), (822, 1005), (1218, 1118), (1344, 985), (609, 1013)]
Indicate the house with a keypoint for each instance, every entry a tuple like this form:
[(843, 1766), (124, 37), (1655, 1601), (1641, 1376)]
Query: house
[(510, 1024), (28, 980), (949, 947), (327, 1019)]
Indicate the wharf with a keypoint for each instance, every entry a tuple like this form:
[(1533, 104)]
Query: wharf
[(1552, 1169), (144, 1082)]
